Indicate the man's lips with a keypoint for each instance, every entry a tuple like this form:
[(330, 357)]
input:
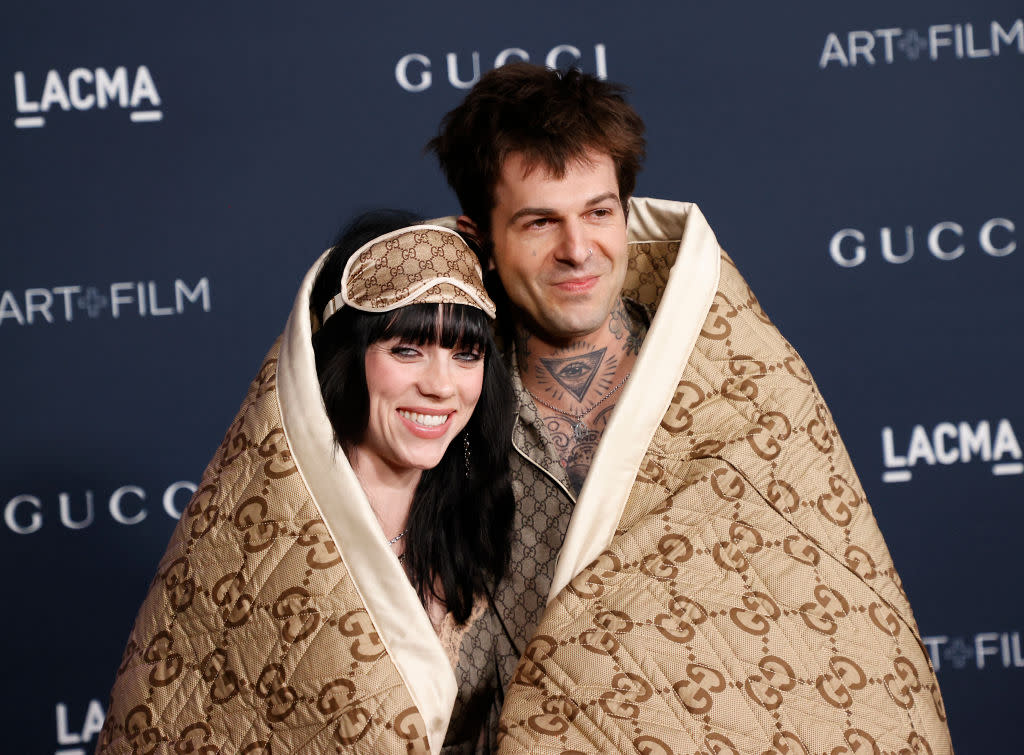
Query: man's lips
[(576, 285)]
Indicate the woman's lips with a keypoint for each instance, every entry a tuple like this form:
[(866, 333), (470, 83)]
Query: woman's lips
[(426, 424)]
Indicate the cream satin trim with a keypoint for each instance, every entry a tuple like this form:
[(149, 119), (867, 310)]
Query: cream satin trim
[(448, 222), (390, 600), (684, 305)]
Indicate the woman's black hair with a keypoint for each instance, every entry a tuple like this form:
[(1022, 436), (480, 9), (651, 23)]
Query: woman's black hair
[(461, 515)]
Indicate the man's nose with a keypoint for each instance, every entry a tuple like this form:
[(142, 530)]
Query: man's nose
[(436, 378), (574, 249)]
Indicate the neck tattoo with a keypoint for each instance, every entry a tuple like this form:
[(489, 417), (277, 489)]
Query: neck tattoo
[(579, 429)]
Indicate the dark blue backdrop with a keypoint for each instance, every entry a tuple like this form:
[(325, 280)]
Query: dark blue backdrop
[(170, 171)]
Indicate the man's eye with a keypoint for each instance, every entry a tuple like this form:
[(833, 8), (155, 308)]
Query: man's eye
[(539, 223)]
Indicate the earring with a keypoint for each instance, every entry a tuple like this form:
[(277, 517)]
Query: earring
[(465, 451)]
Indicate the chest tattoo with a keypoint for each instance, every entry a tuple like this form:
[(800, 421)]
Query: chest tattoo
[(575, 387), (575, 450)]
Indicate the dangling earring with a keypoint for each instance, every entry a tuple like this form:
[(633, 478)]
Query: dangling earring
[(465, 451)]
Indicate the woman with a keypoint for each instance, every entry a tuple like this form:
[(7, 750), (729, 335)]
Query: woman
[(327, 587), (382, 370)]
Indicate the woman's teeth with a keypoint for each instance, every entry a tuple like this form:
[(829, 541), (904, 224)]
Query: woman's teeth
[(428, 420)]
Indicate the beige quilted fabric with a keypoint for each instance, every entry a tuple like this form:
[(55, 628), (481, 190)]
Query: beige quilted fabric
[(747, 602), (252, 638)]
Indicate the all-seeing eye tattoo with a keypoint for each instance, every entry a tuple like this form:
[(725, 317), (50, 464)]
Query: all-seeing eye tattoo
[(577, 371)]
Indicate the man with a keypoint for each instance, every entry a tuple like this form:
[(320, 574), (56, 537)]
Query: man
[(695, 567)]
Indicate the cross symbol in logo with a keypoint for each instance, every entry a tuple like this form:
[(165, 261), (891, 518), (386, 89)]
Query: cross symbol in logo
[(912, 44), (92, 302), (958, 653)]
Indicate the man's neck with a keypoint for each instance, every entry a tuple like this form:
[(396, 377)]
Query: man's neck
[(575, 384)]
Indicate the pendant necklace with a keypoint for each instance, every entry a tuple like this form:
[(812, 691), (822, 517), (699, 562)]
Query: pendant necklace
[(579, 429)]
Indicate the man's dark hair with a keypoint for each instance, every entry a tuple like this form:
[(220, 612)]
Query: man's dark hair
[(461, 515), (552, 118)]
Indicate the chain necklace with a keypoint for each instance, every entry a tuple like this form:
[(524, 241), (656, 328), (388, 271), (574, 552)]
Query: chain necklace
[(396, 538), (579, 429)]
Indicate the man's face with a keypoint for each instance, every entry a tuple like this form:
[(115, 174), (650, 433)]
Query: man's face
[(560, 244)]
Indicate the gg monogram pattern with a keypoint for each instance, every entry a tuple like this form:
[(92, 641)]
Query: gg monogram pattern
[(252, 638), (747, 602), (543, 510), (410, 266)]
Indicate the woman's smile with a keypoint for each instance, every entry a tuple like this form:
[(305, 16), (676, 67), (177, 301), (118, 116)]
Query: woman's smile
[(421, 397), (426, 424)]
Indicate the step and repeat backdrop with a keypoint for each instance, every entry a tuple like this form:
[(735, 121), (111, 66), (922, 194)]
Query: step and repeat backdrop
[(170, 171)]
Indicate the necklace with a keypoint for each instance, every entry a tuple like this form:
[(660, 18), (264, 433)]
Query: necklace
[(579, 429), (395, 539)]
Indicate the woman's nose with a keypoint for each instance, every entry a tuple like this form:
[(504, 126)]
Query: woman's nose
[(436, 378)]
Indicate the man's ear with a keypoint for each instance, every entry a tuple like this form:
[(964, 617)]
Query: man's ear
[(468, 227)]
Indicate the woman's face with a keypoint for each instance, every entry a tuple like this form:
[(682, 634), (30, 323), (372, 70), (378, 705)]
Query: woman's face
[(421, 397)]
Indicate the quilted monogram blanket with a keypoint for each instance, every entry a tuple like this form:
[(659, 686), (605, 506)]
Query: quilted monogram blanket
[(279, 621), (723, 587)]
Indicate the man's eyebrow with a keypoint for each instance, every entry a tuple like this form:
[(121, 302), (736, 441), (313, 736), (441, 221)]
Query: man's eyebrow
[(531, 211), (603, 198), (546, 211)]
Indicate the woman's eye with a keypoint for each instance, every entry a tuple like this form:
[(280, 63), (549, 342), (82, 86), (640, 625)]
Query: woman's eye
[(404, 351), (469, 356)]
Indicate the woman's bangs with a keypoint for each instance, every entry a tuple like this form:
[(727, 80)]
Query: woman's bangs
[(449, 325)]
